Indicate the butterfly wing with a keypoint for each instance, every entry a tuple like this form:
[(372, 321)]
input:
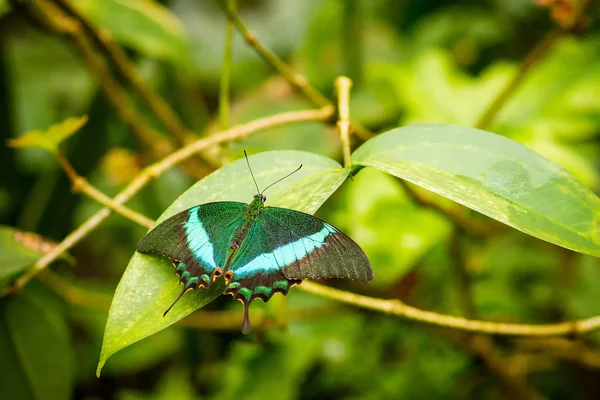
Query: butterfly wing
[(313, 248), (287, 245), (196, 241)]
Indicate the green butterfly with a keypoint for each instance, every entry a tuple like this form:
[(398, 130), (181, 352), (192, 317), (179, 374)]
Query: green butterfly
[(258, 250)]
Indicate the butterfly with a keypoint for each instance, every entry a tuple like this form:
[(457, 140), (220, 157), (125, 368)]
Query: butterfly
[(259, 250)]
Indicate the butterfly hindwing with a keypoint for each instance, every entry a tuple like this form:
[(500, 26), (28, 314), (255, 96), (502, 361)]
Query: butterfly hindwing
[(284, 244), (196, 241), (310, 248)]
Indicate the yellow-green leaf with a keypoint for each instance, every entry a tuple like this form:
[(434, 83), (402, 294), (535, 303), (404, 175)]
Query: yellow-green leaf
[(50, 140)]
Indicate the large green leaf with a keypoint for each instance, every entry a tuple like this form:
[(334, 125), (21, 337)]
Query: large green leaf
[(35, 351), (149, 286), (493, 175)]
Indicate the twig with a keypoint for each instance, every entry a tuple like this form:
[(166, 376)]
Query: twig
[(534, 57), (62, 24), (295, 78), (538, 52), (342, 86), (152, 171), (159, 107), (80, 184), (400, 309)]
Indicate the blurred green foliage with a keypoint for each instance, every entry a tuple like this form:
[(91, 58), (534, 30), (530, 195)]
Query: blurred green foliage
[(412, 62)]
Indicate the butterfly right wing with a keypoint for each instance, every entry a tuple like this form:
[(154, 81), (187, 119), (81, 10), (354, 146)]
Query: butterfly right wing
[(196, 241)]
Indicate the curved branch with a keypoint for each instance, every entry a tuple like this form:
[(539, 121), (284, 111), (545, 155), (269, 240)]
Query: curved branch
[(400, 309)]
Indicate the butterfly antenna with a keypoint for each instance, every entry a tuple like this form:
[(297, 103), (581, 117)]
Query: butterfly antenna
[(250, 168), (279, 180)]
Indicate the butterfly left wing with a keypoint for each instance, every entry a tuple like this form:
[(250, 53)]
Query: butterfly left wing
[(196, 241), (283, 247)]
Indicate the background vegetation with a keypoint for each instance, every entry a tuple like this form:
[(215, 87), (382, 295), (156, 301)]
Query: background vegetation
[(154, 77)]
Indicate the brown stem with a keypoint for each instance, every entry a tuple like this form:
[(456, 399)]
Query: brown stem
[(536, 54), (80, 184), (295, 78), (533, 58), (400, 309)]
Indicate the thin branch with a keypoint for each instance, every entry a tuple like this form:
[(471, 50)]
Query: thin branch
[(295, 78), (343, 86), (400, 309), (153, 171), (80, 184), (532, 59), (157, 105), (537, 54)]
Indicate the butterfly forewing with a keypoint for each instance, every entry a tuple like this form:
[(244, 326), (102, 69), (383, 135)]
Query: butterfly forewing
[(196, 240)]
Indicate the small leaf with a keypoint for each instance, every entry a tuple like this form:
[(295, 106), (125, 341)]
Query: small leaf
[(149, 285), (493, 175), (19, 250), (33, 139), (35, 351), (53, 137)]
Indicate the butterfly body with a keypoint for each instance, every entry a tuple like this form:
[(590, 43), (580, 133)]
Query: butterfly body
[(258, 250)]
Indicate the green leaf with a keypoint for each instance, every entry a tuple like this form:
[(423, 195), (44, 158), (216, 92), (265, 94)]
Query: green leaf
[(493, 175), (50, 140), (19, 250), (149, 286), (144, 25), (35, 350)]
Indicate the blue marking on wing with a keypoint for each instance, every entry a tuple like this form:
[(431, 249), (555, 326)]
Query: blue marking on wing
[(284, 255), (198, 240)]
